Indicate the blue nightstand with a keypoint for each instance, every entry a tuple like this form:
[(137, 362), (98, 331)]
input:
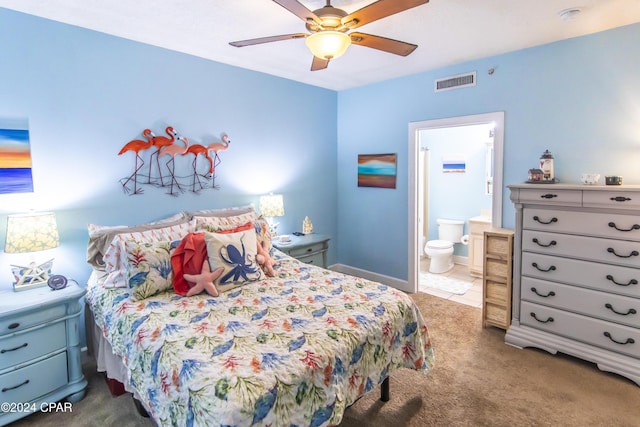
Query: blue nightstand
[(310, 248), (39, 350)]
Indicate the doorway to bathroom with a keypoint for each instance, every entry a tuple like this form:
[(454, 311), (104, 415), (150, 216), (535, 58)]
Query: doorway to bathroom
[(455, 172)]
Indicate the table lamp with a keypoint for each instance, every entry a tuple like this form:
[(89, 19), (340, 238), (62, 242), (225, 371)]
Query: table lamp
[(28, 233), (272, 205)]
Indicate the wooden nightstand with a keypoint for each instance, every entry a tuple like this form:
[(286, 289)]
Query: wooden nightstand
[(310, 248), (39, 350)]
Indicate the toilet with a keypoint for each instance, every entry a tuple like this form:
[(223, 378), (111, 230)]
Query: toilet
[(441, 251)]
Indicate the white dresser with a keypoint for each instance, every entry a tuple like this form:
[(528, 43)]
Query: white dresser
[(576, 273)]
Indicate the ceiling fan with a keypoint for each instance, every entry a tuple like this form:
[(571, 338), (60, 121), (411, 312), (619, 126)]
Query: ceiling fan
[(330, 29)]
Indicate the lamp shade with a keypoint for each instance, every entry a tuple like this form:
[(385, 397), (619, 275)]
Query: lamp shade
[(328, 44), (31, 232), (272, 205)]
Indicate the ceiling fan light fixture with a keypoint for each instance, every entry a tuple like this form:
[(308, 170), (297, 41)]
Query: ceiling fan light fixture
[(328, 44)]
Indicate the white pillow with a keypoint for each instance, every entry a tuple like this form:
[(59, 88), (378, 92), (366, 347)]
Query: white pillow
[(216, 223), (115, 258)]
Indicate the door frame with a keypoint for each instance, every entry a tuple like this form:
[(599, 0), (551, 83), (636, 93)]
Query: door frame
[(497, 118)]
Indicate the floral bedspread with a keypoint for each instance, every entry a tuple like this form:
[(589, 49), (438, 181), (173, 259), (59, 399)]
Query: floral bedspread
[(296, 349)]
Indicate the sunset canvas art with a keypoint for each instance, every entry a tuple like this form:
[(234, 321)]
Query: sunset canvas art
[(15, 160), (377, 170)]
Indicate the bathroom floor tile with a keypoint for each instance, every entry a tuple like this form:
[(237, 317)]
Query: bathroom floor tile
[(472, 297)]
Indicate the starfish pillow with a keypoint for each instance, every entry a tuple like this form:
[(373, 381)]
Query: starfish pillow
[(204, 280)]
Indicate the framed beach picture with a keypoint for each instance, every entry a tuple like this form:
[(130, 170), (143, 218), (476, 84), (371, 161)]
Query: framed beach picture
[(377, 170), (454, 163), (15, 157)]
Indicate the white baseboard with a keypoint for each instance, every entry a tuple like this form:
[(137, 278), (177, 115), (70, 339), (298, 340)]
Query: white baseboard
[(402, 285), (461, 260)]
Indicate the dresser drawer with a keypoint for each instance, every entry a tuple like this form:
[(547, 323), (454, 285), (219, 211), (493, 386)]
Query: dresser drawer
[(589, 248), (615, 226), (550, 196), (314, 259), (604, 277), (611, 199), (616, 308), (307, 250), (618, 338), (35, 380), (26, 320), (22, 347)]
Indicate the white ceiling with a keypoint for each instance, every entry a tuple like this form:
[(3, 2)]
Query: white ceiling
[(447, 31)]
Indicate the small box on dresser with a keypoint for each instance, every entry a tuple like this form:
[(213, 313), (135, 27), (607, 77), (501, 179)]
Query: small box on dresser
[(577, 272), (39, 350), (497, 277)]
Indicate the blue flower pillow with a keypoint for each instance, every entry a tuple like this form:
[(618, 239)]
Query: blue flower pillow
[(236, 254), (149, 267)]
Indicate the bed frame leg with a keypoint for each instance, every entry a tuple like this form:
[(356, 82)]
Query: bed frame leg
[(384, 390), (140, 407)]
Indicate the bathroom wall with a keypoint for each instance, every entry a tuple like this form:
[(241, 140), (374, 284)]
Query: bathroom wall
[(456, 195)]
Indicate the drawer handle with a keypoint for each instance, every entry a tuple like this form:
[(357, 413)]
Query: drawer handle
[(537, 218), (550, 294), (620, 199), (549, 320), (631, 310), (551, 243), (613, 251), (548, 196), (628, 341), (5, 350), (631, 282), (15, 386), (552, 268), (14, 325), (633, 227), (309, 249)]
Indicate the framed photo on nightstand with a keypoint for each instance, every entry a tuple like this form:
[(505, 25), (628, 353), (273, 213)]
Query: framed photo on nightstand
[(32, 276)]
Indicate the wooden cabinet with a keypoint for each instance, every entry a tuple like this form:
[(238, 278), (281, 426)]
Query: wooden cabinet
[(477, 226), (39, 350), (576, 273), (310, 248), (497, 277)]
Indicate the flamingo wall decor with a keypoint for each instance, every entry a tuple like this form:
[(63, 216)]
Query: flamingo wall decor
[(178, 150)]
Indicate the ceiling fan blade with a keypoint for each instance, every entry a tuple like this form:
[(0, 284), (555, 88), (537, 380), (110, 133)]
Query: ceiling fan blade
[(382, 43), (319, 64), (378, 10), (299, 10), (260, 40)]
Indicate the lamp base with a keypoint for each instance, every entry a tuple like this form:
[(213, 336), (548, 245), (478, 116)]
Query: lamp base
[(32, 276), (273, 227)]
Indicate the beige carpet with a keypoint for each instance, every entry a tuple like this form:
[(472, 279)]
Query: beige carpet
[(477, 381)]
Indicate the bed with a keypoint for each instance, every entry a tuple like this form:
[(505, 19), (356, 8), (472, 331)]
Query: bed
[(294, 349)]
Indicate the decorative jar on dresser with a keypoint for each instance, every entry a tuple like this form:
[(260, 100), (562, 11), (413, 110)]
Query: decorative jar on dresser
[(39, 350), (576, 273)]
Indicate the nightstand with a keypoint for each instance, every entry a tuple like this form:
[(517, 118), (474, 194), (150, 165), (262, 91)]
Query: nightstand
[(310, 248), (39, 350)]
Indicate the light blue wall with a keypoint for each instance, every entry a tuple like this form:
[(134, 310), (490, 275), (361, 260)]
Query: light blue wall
[(87, 94), (579, 98)]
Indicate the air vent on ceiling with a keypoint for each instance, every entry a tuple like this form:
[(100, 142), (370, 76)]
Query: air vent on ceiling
[(456, 82)]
